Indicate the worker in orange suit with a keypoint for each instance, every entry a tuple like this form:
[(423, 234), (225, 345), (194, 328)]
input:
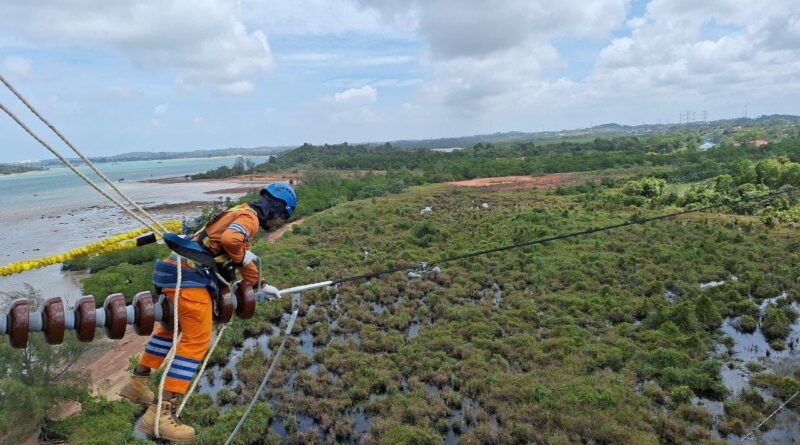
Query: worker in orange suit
[(227, 238)]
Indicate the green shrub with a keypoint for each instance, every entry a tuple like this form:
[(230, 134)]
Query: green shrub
[(127, 279), (409, 435), (101, 422), (707, 313), (747, 324), (776, 322), (681, 394), (646, 187)]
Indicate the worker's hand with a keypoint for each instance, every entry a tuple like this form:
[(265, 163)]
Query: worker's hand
[(267, 292), (249, 257), (272, 290)]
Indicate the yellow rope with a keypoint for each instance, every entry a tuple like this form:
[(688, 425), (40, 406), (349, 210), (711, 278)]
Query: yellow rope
[(111, 244)]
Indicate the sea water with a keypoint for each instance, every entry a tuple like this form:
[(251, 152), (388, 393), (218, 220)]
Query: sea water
[(48, 212), (33, 193)]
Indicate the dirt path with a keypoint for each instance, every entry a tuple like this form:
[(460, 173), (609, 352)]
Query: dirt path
[(276, 235), (523, 182), (106, 366)]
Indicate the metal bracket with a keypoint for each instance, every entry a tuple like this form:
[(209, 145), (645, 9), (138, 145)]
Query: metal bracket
[(296, 301)]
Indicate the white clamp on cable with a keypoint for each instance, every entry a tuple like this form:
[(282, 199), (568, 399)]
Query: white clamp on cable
[(423, 271)]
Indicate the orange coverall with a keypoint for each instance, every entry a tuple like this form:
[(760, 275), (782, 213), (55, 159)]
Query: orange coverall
[(229, 236)]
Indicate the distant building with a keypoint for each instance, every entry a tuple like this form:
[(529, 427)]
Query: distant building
[(759, 142), (707, 146)]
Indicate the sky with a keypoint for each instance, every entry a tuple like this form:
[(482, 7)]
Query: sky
[(176, 75)]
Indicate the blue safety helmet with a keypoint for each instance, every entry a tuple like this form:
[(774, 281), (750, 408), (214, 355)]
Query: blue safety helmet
[(284, 192)]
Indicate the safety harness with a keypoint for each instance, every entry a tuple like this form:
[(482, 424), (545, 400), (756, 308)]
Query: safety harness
[(201, 267)]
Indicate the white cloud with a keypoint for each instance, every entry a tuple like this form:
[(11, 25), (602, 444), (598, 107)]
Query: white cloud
[(486, 57), (205, 42), (161, 109), (463, 28), (499, 64), (17, 66), (321, 18), (357, 96), (670, 57), (199, 120), (352, 106)]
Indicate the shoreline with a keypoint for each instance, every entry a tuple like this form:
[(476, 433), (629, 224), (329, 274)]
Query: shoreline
[(52, 231), (232, 179)]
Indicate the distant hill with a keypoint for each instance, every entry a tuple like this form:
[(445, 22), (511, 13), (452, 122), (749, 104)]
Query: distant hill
[(10, 169), (609, 129), (603, 130)]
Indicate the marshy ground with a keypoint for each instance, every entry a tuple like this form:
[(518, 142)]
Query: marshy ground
[(613, 338)]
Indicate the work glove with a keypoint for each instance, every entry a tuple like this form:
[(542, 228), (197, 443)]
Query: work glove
[(249, 257), (268, 292)]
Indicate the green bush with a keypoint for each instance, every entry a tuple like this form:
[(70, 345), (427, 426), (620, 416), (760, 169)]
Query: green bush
[(776, 322), (681, 394), (747, 324), (101, 422), (127, 279), (409, 435), (646, 187)]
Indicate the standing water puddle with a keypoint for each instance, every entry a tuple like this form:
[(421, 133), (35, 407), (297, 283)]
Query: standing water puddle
[(754, 347), (212, 381)]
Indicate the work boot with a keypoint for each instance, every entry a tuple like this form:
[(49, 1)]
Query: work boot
[(169, 427), (136, 389)]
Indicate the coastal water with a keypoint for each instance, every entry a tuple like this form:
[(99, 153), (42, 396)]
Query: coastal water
[(48, 212), (35, 193)]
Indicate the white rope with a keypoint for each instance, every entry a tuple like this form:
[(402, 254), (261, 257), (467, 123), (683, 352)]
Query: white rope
[(171, 354), (264, 381), (750, 434), (69, 165), (202, 370), (80, 154)]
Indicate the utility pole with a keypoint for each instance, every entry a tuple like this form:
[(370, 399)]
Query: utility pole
[(705, 116), (745, 111)]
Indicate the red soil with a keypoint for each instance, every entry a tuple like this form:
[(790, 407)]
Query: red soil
[(522, 182)]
